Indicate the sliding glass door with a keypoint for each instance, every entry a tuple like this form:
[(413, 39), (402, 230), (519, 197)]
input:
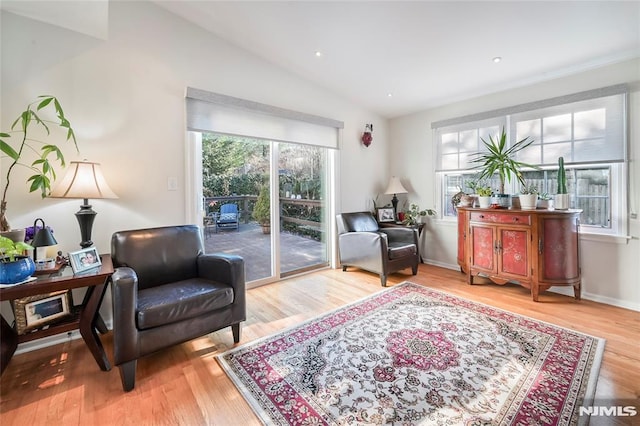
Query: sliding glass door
[(279, 191)]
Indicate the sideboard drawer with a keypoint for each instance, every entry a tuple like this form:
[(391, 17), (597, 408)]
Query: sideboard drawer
[(510, 218)]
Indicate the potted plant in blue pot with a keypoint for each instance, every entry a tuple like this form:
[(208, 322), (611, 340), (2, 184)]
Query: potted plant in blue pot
[(15, 266)]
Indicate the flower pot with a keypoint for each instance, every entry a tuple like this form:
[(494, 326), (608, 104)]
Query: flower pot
[(561, 201), (528, 201), (16, 271), (484, 202), (266, 228), (545, 204)]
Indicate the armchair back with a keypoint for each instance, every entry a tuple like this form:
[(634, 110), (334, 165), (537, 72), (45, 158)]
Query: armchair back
[(356, 222), (176, 247)]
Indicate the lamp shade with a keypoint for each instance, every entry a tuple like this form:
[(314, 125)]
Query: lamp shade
[(83, 179), (395, 187)]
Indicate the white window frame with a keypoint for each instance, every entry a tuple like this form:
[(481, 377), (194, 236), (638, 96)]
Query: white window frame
[(619, 171)]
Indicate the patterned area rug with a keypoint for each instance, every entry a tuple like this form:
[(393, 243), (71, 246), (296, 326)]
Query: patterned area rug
[(410, 355)]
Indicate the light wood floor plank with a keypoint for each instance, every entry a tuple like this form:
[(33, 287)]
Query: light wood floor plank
[(62, 385)]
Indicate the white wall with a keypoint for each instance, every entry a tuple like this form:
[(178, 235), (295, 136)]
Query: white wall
[(125, 99), (608, 268)]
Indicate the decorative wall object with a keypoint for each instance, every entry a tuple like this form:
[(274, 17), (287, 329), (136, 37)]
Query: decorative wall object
[(367, 136)]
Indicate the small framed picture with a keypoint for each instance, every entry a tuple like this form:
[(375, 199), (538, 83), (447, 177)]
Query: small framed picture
[(36, 311), (84, 260), (386, 215)]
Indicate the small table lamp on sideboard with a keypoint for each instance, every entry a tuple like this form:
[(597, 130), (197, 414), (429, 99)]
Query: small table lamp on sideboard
[(84, 180)]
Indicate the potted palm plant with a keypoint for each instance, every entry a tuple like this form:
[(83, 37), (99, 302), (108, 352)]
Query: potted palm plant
[(42, 165), (500, 159), (262, 209)]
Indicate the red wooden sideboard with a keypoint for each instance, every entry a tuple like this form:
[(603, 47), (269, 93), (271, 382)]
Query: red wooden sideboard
[(537, 249)]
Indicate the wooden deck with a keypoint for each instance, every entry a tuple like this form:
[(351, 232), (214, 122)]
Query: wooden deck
[(255, 247)]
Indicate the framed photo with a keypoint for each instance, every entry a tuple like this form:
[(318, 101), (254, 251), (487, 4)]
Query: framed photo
[(35, 311), (84, 260), (386, 215)]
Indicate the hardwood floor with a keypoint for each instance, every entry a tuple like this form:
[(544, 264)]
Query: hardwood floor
[(62, 385)]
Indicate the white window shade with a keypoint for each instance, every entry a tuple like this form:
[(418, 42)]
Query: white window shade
[(213, 112)]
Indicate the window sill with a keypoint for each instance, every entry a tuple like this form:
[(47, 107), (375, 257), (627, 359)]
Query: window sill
[(601, 238)]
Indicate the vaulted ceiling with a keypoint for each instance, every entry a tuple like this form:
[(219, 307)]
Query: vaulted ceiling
[(396, 57)]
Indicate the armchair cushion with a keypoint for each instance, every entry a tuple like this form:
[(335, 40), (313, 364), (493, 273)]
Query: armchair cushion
[(228, 218), (397, 251), (178, 301)]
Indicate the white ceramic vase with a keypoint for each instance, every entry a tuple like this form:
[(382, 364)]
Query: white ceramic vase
[(561, 201), (528, 201), (484, 202)]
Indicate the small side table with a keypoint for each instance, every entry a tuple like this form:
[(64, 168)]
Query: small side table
[(419, 227), (85, 317)]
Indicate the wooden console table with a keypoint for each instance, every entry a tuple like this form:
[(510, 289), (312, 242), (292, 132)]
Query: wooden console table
[(537, 249), (85, 317)]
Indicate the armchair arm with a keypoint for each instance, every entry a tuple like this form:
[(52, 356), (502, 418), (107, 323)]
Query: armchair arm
[(124, 292), (364, 249), (227, 269)]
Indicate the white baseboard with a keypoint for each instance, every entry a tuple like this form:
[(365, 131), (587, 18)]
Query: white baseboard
[(51, 340)]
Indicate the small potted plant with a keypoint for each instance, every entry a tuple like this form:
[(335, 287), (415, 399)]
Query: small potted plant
[(528, 197), (15, 266), (413, 216), (545, 201), (262, 209), (484, 196)]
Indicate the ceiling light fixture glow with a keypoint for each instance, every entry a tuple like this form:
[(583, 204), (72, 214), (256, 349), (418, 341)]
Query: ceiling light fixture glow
[(497, 59), (318, 53)]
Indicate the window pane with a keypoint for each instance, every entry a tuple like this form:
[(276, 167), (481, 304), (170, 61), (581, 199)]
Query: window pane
[(529, 128), (592, 196), (557, 129), (450, 162), (469, 140), (590, 124), (589, 150), (452, 185), (449, 143), (551, 152)]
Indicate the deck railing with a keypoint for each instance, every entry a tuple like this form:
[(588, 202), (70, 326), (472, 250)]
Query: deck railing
[(288, 207)]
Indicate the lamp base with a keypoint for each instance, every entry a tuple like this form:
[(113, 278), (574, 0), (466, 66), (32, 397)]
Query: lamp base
[(86, 215), (394, 201)]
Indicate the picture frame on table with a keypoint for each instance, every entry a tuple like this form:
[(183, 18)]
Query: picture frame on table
[(37, 311), (386, 215), (84, 260)]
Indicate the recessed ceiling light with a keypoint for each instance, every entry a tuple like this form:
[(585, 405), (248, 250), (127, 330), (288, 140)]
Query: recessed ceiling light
[(318, 53), (497, 59), (389, 95)]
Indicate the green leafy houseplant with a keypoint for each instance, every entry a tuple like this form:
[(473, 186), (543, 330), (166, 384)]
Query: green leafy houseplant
[(42, 166), (483, 191), (414, 213), (501, 160), (10, 250)]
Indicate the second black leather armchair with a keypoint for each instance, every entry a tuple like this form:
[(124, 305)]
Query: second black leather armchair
[(383, 251)]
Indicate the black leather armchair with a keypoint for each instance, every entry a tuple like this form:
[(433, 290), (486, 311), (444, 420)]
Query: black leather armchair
[(380, 250), (167, 291)]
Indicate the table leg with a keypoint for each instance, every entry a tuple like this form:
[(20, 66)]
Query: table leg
[(9, 343), (89, 318)]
